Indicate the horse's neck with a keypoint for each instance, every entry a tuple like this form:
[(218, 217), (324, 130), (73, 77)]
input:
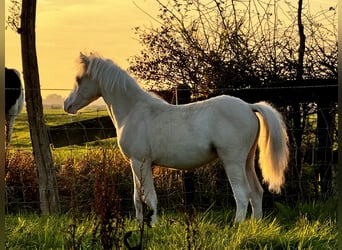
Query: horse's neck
[(121, 100)]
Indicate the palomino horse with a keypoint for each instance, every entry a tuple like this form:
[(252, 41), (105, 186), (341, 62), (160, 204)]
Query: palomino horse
[(152, 132)]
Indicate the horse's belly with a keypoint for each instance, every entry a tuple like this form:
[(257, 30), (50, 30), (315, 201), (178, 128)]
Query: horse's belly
[(184, 158)]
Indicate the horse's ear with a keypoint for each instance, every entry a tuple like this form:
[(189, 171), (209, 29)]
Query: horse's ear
[(84, 58)]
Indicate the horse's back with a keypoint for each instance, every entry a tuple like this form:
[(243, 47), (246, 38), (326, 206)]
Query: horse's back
[(188, 136), (234, 125)]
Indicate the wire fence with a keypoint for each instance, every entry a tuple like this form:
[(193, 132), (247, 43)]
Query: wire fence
[(312, 163)]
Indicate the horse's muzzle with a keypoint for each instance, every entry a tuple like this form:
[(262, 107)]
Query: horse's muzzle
[(68, 107)]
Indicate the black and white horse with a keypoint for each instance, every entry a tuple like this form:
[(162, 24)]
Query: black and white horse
[(14, 99)]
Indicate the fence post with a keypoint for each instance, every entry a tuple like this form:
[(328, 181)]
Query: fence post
[(183, 94)]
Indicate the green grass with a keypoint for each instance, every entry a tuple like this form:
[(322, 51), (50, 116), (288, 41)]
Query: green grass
[(53, 117), (208, 230)]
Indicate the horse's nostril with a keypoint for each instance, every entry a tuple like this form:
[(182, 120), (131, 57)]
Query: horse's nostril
[(67, 107)]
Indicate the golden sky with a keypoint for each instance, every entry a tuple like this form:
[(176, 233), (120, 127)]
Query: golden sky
[(66, 27)]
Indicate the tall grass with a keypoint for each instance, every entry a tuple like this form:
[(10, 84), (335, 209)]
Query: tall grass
[(212, 230)]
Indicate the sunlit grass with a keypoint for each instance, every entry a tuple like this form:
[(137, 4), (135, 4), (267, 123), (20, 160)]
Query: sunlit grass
[(209, 230), (34, 232)]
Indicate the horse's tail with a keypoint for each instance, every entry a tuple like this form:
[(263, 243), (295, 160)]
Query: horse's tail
[(273, 145)]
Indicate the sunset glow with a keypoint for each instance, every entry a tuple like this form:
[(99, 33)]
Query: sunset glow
[(64, 28)]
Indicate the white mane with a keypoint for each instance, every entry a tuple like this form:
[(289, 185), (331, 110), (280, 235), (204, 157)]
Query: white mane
[(108, 74), (112, 77)]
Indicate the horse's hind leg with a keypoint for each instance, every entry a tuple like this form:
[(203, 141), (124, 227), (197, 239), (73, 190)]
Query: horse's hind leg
[(256, 189), (236, 173), (144, 191)]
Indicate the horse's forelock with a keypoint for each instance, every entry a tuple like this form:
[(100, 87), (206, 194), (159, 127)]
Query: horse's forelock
[(103, 70), (83, 62), (81, 67)]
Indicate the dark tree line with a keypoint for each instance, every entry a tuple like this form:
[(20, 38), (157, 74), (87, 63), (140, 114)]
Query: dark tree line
[(235, 44), (221, 47)]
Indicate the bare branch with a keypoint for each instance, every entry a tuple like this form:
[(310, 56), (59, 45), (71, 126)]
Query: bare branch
[(13, 20)]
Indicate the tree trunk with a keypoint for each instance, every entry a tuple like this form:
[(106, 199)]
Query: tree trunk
[(301, 49), (48, 192), (297, 117), (298, 122)]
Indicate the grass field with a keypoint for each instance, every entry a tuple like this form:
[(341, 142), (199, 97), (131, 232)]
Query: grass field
[(307, 226), (208, 230)]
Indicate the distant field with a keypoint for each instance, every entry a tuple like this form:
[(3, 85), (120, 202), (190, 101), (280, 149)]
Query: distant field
[(52, 117)]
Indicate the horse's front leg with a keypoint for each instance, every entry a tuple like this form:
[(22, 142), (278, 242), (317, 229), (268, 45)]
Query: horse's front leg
[(144, 191), (9, 128)]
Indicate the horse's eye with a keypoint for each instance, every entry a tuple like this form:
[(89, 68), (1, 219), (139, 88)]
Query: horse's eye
[(78, 80)]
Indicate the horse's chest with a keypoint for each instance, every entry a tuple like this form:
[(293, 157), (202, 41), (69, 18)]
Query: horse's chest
[(133, 144)]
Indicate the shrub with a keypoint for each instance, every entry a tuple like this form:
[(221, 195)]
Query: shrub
[(21, 183)]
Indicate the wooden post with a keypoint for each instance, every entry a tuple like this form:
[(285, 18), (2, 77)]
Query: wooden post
[(183, 97)]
